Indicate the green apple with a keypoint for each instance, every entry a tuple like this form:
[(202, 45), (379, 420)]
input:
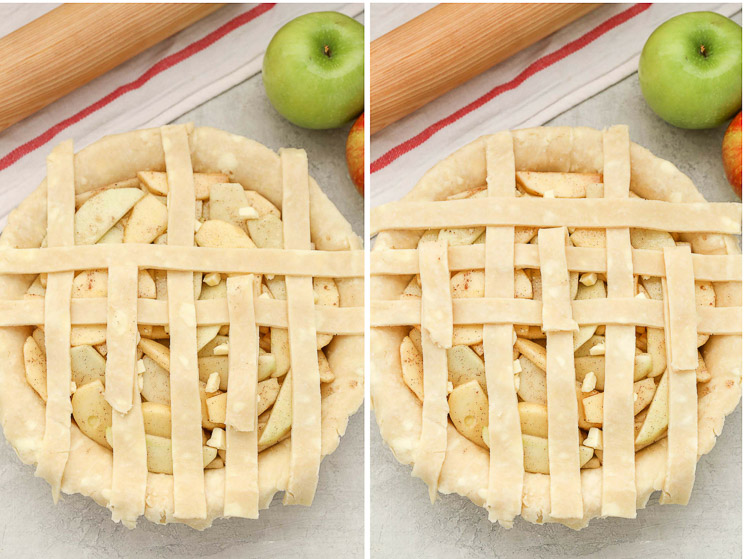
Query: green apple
[(690, 70), (314, 70)]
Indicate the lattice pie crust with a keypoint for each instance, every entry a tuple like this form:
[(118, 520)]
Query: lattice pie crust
[(188, 339), (567, 328)]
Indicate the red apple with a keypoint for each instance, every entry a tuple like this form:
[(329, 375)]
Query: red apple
[(732, 154), (356, 153)]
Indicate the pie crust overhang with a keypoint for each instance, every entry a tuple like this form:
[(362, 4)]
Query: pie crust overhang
[(421, 434), (120, 481)]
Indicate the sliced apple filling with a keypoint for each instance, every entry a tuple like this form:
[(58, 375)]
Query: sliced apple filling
[(228, 216), (468, 398)]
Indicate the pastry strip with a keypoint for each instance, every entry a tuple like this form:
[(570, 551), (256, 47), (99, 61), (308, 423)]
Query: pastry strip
[(506, 469), (121, 336), (595, 213), (349, 320), (681, 307), (60, 232), (642, 312), (391, 262), (436, 304), (436, 311), (682, 430), (563, 438), (269, 312), (305, 450), (186, 408), (336, 264), (242, 458), (619, 460), (129, 472)]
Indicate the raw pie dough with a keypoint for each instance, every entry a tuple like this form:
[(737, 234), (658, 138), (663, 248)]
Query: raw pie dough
[(156, 326), (588, 280)]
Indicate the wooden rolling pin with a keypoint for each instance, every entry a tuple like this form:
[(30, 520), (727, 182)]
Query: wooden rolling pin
[(75, 43), (450, 44)]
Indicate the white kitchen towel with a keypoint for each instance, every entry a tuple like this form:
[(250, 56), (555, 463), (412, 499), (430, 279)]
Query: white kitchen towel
[(151, 89), (528, 89)]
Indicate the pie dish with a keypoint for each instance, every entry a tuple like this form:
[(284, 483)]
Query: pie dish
[(580, 322), (212, 299)]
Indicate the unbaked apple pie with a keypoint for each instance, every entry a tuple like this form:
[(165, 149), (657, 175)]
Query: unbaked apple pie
[(182, 325), (552, 311)]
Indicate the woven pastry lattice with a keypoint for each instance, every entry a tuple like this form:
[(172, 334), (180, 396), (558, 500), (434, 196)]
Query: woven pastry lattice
[(610, 207), (243, 310)]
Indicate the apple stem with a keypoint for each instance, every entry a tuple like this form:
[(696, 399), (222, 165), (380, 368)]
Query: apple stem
[(327, 50), (702, 50)]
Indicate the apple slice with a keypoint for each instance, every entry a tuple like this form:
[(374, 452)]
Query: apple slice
[(216, 408), (533, 419), (261, 204), (90, 283), (267, 392), (534, 352), (594, 291), (83, 197), (280, 419), (588, 238), (99, 214), (523, 286), (147, 221), (157, 419), (650, 239), (524, 235), (36, 367), (464, 366), (157, 182), (208, 348), (656, 420), (92, 412), (563, 185), (221, 234), (469, 410), (87, 365), (87, 334), (585, 455), (266, 231), (214, 364), (156, 383), (469, 283), (113, 236), (281, 351), (532, 382), (535, 454), (157, 352), (657, 351), (412, 291), (467, 334), (412, 367), (226, 200), (160, 456), (592, 341), (460, 236)]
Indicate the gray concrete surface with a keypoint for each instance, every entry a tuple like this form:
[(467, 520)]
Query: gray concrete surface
[(405, 525), (31, 526)]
